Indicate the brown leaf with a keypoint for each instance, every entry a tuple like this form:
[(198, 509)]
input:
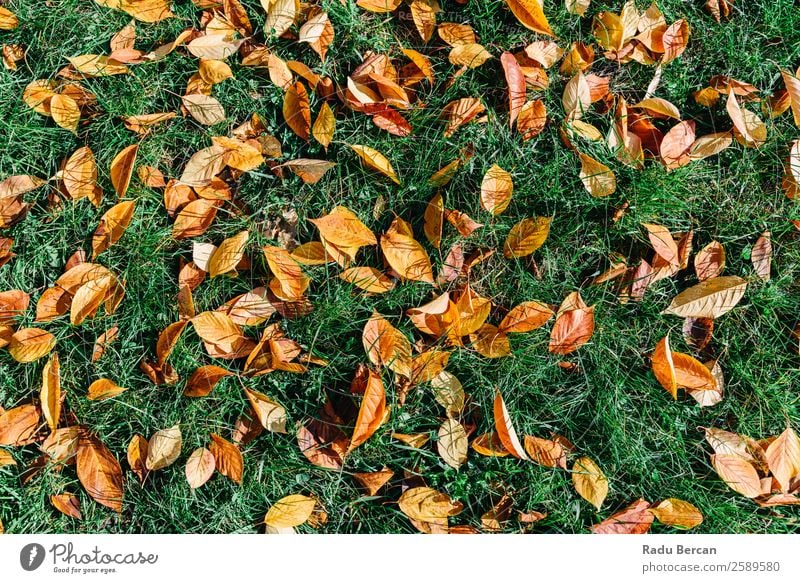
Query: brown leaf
[(65, 112), (460, 112), (30, 344), (590, 482), (372, 482), (80, 174), (515, 80), (228, 255), (428, 505), (228, 458), (709, 261), (573, 327), (406, 257), (376, 161), (137, 455), (525, 317), (270, 414), (324, 126), (204, 379), (50, 395), (597, 178), (546, 452), (99, 472), (321, 443), (371, 413), (677, 144), (532, 119)]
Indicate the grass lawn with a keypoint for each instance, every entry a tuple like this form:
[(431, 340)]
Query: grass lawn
[(609, 405)]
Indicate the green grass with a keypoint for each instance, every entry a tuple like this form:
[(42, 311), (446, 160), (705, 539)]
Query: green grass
[(611, 407)]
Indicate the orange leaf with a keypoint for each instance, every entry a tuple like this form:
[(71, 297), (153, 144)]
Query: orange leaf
[(99, 472)]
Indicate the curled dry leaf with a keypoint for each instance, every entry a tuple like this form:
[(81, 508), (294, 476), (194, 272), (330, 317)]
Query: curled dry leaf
[(505, 430), (589, 481), (270, 414), (164, 448)]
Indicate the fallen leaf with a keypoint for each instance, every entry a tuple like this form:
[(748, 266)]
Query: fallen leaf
[(164, 448), (590, 482), (199, 467)]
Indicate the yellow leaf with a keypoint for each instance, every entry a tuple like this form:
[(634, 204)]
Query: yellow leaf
[(290, 511), (103, 389), (324, 126), (597, 178), (526, 237), (677, 513), (589, 481), (50, 395), (376, 161), (531, 15), (496, 190), (65, 112), (228, 255), (112, 226)]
